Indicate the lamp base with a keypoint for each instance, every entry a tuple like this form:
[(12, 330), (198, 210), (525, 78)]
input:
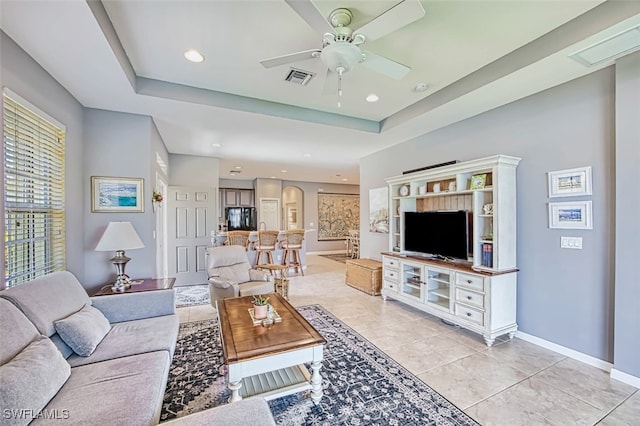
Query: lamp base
[(122, 279)]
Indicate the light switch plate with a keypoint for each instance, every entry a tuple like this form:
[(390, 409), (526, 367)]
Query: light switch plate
[(571, 242)]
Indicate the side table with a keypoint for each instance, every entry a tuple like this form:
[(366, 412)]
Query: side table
[(146, 284), (281, 280)]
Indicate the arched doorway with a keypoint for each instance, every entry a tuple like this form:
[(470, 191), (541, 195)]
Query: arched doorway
[(292, 208)]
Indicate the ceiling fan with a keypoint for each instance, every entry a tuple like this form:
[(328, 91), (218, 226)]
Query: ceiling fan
[(341, 50)]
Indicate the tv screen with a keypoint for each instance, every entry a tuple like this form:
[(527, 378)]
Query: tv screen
[(437, 233)]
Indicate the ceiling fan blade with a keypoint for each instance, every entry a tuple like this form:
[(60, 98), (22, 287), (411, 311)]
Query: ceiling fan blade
[(287, 59), (330, 86), (393, 19), (311, 15), (385, 66)]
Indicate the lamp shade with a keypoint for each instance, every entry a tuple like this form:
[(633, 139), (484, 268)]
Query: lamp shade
[(119, 236)]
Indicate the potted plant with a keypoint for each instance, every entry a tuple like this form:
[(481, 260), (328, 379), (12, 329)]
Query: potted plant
[(260, 306)]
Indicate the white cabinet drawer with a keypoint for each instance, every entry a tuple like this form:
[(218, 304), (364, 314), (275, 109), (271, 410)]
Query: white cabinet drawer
[(475, 282), (390, 285), (390, 274), (390, 262), (470, 297), (469, 314)]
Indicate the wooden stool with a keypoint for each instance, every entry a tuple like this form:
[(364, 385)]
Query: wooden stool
[(281, 280), (292, 244), (265, 244), (237, 238)]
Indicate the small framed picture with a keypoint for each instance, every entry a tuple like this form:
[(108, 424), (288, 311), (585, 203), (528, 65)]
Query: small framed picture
[(570, 182), (478, 181), (117, 195), (570, 215)]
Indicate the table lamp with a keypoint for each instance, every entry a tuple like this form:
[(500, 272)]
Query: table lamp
[(119, 236)]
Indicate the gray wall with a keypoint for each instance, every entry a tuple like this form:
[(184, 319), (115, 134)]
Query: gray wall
[(311, 190), (564, 296), (627, 253), (189, 170), (20, 73), (120, 145)]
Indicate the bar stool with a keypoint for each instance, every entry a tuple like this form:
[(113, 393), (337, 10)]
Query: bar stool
[(265, 245), (237, 238), (292, 244)]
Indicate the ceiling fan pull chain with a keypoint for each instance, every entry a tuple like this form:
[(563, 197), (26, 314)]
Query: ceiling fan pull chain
[(340, 70)]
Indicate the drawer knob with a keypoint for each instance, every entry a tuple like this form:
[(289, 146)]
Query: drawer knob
[(468, 314), (469, 297), (469, 281)]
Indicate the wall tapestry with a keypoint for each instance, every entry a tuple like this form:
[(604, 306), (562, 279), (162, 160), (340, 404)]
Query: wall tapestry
[(379, 210), (337, 214)]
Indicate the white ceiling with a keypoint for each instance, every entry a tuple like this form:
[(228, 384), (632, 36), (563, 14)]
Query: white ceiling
[(127, 55)]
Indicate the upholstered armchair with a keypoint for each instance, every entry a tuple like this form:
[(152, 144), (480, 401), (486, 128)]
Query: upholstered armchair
[(231, 275)]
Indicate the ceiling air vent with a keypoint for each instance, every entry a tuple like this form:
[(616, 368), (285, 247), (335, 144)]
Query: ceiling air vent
[(614, 47), (300, 77)]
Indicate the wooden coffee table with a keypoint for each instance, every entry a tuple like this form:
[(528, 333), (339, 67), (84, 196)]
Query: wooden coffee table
[(269, 361)]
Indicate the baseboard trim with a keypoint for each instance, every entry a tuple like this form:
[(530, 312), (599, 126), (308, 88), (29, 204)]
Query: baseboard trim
[(579, 356), (625, 378)]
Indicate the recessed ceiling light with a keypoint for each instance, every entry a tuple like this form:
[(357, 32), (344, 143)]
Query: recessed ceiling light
[(421, 87), (238, 167), (283, 171), (307, 155), (273, 177), (216, 145), (372, 97), (344, 179), (193, 55)]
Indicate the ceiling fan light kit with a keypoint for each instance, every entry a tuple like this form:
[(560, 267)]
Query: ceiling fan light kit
[(340, 51)]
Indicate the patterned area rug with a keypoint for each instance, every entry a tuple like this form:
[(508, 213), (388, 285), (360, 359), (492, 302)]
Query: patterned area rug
[(362, 385), (337, 257), (192, 295)]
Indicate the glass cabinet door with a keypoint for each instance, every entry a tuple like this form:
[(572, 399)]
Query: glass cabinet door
[(412, 280), (438, 288)]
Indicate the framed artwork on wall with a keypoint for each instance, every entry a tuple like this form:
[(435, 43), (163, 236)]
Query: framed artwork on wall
[(337, 215), (117, 195), (570, 215), (379, 210), (570, 182)]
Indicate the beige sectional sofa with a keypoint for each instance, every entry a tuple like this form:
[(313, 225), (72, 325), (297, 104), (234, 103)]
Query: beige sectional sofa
[(72, 359)]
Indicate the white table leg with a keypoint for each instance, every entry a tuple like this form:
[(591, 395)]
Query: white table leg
[(316, 382), (235, 391)]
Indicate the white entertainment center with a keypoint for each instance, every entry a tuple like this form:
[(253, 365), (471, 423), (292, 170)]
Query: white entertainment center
[(478, 293)]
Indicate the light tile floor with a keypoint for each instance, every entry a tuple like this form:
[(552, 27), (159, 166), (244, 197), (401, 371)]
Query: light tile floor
[(512, 383)]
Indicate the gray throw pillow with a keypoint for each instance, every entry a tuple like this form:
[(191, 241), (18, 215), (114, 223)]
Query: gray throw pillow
[(84, 330), (31, 379)]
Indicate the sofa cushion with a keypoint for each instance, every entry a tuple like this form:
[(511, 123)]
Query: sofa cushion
[(49, 298), (31, 380), (123, 391), (132, 338), (83, 330), (17, 331)]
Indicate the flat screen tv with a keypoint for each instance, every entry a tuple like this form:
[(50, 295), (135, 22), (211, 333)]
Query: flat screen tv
[(442, 234)]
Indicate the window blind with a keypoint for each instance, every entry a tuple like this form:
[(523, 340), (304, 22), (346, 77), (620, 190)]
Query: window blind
[(33, 194)]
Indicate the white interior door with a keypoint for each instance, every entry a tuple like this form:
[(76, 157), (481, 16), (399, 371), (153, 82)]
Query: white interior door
[(191, 218), (269, 213)]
